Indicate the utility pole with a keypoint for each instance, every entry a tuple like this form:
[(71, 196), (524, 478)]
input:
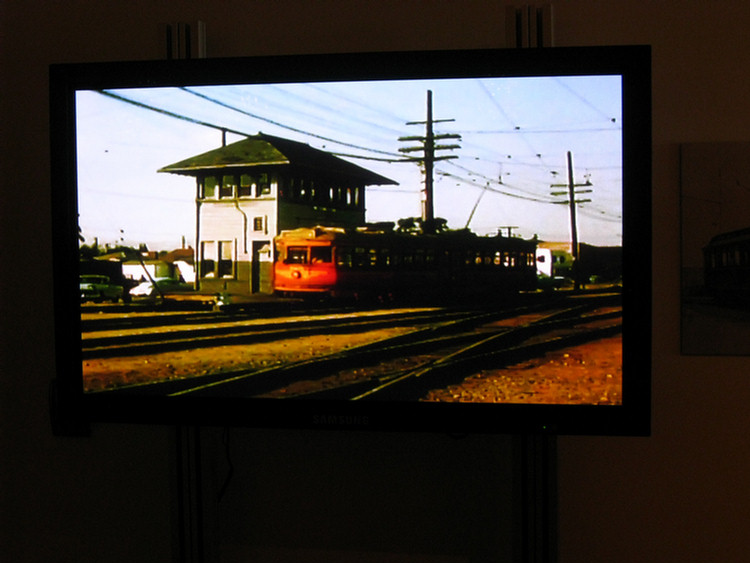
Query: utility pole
[(572, 202), (428, 147)]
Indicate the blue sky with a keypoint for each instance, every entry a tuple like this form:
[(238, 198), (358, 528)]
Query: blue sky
[(515, 135)]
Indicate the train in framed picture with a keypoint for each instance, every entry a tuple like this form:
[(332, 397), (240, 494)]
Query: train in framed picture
[(378, 262)]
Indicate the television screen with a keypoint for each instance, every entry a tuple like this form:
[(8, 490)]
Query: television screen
[(427, 241)]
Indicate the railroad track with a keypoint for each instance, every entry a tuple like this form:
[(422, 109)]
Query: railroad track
[(431, 355), (493, 352), (458, 356), (102, 319), (128, 339)]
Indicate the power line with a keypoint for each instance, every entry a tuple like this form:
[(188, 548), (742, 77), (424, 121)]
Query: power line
[(585, 101), (392, 157), (169, 113), (530, 131), (283, 125), (334, 100), (490, 188)]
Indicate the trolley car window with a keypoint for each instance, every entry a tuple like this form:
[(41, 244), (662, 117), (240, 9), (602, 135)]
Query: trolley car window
[(384, 258), (344, 257), (360, 257), (296, 255), (320, 254)]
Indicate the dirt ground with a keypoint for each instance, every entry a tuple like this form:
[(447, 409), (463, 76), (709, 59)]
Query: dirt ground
[(109, 373), (587, 374)]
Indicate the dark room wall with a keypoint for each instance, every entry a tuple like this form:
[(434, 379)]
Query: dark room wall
[(680, 495)]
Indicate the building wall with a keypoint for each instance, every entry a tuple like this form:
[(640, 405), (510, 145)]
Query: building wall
[(681, 495), (234, 222)]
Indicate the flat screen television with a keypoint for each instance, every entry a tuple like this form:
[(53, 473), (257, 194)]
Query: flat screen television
[(444, 241)]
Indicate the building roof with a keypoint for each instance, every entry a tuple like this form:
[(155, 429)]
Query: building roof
[(267, 150), (730, 237), (180, 255)]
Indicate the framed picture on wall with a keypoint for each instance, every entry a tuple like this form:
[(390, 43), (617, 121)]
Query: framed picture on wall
[(715, 248)]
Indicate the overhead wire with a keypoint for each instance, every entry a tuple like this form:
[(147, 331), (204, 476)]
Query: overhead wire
[(392, 157), (283, 125)]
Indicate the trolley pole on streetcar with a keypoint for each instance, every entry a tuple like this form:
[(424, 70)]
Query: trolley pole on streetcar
[(572, 202), (428, 147)]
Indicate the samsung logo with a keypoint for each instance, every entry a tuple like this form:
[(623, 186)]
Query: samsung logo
[(340, 420)]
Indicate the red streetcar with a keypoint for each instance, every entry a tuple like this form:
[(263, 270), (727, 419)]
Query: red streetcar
[(378, 262)]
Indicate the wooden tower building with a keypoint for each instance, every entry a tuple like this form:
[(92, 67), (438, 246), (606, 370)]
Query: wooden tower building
[(249, 191)]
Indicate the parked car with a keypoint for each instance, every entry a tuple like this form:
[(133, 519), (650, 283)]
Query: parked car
[(165, 285), (95, 287)]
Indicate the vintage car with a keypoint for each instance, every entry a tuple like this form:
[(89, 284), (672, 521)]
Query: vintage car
[(96, 287), (146, 289)]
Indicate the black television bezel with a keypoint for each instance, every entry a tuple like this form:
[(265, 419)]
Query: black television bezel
[(74, 410)]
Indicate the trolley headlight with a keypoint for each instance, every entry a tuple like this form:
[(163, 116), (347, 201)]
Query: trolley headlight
[(296, 274)]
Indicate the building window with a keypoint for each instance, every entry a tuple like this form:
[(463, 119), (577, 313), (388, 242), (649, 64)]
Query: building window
[(217, 259), (311, 191), (264, 185), (247, 183), (258, 223), (228, 184), (209, 187), (208, 259), (226, 262)]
